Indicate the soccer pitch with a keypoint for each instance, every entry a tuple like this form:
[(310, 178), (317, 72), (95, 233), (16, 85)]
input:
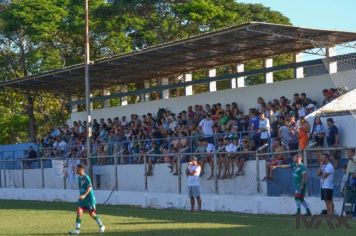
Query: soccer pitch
[(56, 218)]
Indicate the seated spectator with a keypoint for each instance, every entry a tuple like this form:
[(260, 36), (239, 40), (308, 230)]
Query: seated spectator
[(220, 149), (231, 149), (247, 146), (277, 159)]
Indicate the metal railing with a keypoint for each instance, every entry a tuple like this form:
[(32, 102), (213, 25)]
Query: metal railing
[(162, 180)]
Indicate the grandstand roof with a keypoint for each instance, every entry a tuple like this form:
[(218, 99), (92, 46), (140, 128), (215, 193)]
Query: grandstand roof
[(235, 44)]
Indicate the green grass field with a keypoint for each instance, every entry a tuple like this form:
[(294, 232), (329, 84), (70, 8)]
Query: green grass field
[(46, 218)]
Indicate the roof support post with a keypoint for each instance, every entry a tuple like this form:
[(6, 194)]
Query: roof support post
[(212, 85), (74, 108), (332, 66), (188, 89), (298, 71), (268, 62), (240, 80), (165, 92), (147, 85), (124, 100), (106, 101)]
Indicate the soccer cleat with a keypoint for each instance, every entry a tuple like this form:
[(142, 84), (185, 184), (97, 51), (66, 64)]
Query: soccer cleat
[(74, 232), (308, 214), (102, 229)]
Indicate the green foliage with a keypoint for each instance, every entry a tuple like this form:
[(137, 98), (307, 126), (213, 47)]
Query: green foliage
[(37, 36)]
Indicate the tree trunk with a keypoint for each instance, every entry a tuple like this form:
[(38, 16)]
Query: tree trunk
[(31, 117)]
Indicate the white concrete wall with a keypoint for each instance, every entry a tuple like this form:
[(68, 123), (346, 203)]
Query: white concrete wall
[(245, 97), (211, 202), (131, 178)]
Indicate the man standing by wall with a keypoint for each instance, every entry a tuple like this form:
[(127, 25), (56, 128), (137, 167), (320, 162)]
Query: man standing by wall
[(326, 174), (332, 138), (193, 183)]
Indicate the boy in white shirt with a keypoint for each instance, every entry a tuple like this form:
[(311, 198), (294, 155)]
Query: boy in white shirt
[(326, 174), (193, 183)]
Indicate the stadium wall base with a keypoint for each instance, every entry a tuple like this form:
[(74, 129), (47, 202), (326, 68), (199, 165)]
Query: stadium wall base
[(232, 203)]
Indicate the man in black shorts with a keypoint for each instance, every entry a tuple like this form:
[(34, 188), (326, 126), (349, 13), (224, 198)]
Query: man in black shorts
[(326, 174)]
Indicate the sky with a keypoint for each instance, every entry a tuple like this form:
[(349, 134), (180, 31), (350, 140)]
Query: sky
[(323, 14)]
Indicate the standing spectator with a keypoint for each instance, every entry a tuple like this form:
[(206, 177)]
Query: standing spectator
[(206, 126), (264, 129), (326, 174), (303, 133), (254, 123), (318, 134), (301, 110), (351, 165), (332, 139), (293, 133), (29, 157), (193, 183), (284, 134)]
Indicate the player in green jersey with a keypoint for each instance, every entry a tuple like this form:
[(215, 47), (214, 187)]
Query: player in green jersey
[(300, 182), (86, 201)]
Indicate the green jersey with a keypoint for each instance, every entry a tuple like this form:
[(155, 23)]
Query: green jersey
[(84, 183), (298, 172)]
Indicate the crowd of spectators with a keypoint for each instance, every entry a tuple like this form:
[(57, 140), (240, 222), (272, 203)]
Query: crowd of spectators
[(200, 129)]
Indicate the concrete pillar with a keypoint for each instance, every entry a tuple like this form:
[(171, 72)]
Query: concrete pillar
[(332, 66), (298, 71), (106, 101), (240, 80), (74, 107), (212, 85), (147, 95), (188, 89), (124, 100), (268, 63), (165, 92)]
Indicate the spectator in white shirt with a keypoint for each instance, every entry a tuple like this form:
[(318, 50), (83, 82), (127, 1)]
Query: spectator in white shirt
[(193, 183), (206, 127), (326, 174), (264, 129), (231, 149), (301, 110)]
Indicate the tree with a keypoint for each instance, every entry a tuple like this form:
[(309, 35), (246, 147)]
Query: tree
[(37, 36)]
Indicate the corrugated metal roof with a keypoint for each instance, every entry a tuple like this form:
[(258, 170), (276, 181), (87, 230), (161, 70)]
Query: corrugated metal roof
[(234, 44)]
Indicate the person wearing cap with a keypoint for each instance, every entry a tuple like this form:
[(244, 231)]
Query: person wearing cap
[(193, 183), (333, 140)]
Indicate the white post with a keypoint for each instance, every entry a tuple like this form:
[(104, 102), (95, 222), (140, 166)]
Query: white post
[(91, 103), (330, 52), (165, 92), (240, 80), (212, 85), (268, 76), (147, 95), (106, 101), (124, 100), (74, 107), (188, 89), (298, 71)]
